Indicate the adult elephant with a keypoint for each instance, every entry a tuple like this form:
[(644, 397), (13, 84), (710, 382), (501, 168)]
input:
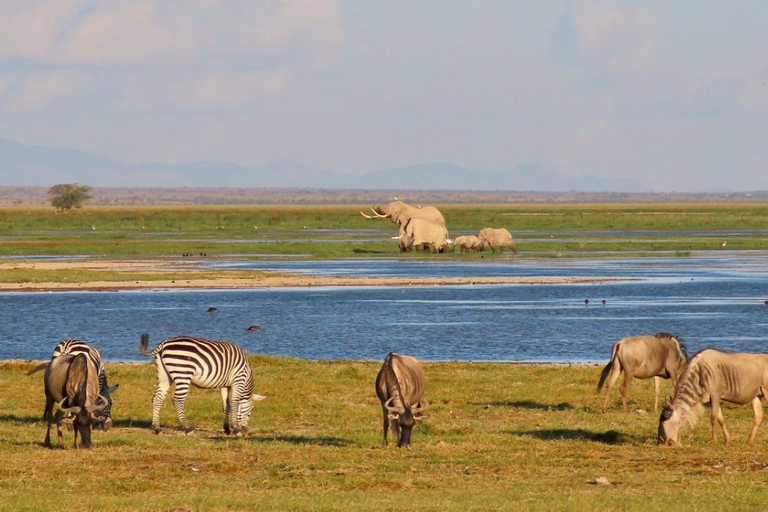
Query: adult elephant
[(421, 233), (400, 213), (496, 238)]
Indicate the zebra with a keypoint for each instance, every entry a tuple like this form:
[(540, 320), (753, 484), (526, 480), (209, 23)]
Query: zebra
[(207, 364), (75, 347)]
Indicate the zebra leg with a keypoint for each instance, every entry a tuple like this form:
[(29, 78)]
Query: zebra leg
[(179, 396), (757, 406), (163, 384), (227, 406), (157, 402)]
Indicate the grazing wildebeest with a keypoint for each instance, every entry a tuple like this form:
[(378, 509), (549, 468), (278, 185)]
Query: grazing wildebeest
[(712, 376), (72, 346), (400, 385), (72, 385), (653, 355)]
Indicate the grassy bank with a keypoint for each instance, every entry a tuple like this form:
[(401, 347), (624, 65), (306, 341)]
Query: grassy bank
[(499, 436)]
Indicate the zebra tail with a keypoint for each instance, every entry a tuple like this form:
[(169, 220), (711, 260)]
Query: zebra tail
[(38, 368), (607, 370), (143, 345)]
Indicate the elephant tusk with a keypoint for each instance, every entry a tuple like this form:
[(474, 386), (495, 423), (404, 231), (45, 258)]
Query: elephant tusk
[(398, 237), (366, 216), (377, 214)]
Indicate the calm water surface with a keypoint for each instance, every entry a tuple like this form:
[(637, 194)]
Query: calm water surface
[(709, 300)]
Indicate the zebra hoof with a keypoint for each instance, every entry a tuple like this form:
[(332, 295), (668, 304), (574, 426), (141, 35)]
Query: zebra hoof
[(189, 431), (157, 431)]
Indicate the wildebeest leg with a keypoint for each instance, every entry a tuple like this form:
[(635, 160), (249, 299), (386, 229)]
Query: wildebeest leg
[(757, 406), (657, 390), (386, 425), (59, 433), (624, 386), (48, 436), (615, 372), (717, 418), (227, 408)]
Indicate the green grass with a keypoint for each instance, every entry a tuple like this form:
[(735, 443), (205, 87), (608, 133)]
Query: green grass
[(332, 232), (498, 436)]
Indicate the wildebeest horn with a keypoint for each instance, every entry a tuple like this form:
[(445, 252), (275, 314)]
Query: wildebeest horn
[(98, 408), (388, 406), (69, 410), (420, 407)]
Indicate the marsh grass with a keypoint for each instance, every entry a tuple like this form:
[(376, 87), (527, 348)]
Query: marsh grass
[(338, 231), (499, 436)]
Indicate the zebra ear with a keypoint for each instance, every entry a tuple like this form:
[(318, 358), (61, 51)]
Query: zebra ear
[(112, 389), (669, 401), (256, 397)]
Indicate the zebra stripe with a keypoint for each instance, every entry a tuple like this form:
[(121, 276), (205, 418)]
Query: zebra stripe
[(208, 364), (75, 347)]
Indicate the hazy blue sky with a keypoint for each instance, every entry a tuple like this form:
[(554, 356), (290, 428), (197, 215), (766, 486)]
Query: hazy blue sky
[(672, 94)]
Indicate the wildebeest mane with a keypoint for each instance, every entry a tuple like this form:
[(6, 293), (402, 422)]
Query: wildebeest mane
[(397, 381), (683, 347), (78, 373)]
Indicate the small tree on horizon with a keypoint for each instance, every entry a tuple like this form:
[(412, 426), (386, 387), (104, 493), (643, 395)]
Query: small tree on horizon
[(66, 196)]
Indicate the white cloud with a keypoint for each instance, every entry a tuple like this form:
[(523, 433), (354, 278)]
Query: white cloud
[(624, 38), (222, 87), (230, 52), (36, 90)]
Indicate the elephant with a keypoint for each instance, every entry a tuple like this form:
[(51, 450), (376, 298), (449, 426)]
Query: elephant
[(467, 243), (421, 233), (400, 213), (496, 238)]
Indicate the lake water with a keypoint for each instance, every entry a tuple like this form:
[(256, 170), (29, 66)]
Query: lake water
[(708, 300)]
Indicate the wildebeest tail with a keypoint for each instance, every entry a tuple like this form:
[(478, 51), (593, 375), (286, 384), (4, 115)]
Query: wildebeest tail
[(607, 370), (38, 368), (144, 344)]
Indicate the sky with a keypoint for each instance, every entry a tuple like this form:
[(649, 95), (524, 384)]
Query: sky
[(670, 94)]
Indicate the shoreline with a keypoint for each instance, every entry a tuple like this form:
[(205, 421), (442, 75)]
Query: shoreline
[(263, 280)]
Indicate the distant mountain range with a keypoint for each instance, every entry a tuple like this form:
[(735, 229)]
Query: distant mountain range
[(25, 165)]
